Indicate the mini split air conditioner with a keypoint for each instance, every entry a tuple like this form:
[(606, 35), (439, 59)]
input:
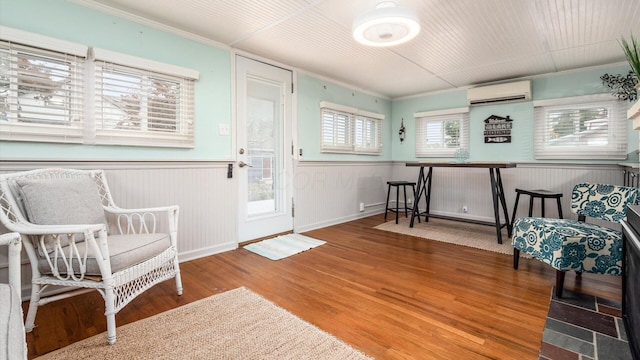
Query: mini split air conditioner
[(500, 93)]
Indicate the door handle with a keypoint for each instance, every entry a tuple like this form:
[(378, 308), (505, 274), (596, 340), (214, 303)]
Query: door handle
[(243, 164)]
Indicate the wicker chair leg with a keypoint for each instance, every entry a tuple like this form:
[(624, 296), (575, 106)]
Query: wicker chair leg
[(29, 322), (110, 313), (559, 283), (176, 266), (178, 283)]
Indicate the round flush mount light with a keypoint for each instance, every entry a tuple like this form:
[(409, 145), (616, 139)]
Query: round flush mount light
[(386, 25)]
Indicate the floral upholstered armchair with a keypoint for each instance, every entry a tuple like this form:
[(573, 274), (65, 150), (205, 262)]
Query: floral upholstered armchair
[(576, 245)]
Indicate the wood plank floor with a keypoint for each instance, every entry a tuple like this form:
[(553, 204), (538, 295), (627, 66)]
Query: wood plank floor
[(392, 296)]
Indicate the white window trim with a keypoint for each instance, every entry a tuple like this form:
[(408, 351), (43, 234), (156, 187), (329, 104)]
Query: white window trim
[(352, 115), (142, 63), (424, 116), (42, 41), (617, 150)]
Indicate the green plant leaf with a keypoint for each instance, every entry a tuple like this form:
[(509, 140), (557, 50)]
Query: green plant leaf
[(631, 50)]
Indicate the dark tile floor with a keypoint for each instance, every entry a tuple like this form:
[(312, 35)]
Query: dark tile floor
[(584, 327)]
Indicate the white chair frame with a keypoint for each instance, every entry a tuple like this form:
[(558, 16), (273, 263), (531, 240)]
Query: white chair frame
[(117, 289), (13, 241)]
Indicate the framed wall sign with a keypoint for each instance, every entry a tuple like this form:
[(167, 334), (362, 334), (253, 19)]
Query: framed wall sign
[(497, 129)]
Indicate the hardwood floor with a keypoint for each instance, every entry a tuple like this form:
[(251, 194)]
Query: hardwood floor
[(392, 296)]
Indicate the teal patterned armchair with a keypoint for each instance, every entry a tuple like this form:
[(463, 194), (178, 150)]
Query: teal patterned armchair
[(576, 245)]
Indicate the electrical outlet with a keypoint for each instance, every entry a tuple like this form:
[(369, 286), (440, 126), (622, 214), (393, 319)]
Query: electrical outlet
[(361, 207), (465, 209)]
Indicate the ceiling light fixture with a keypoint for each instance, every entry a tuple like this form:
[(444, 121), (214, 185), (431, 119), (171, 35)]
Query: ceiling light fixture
[(386, 25)]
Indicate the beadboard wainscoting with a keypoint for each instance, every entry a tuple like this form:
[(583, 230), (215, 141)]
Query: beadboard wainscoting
[(325, 193), (454, 188), (328, 193), (207, 200)]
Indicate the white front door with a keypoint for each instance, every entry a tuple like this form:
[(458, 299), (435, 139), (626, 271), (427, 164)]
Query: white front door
[(264, 143)]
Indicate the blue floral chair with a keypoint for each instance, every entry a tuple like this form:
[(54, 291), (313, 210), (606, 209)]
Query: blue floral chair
[(576, 245)]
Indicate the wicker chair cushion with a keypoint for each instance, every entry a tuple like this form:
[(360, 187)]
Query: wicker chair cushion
[(12, 343), (570, 245), (61, 202), (124, 251)]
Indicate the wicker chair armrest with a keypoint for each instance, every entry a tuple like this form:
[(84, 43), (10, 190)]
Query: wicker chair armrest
[(9, 238), (34, 229)]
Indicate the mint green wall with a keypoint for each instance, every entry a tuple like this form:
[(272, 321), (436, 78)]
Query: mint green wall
[(67, 21), (310, 92), (521, 147)]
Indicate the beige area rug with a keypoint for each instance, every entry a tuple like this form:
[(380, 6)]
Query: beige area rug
[(454, 232), (237, 324)]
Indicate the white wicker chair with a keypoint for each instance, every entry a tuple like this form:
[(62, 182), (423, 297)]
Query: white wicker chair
[(13, 344), (63, 214)]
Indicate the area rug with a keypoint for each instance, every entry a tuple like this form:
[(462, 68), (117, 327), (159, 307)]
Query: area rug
[(283, 246), (582, 326), (453, 232), (237, 324)]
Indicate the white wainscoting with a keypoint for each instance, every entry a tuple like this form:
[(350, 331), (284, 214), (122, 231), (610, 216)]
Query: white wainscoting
[(207, 200), (328, 193), (453, 188)]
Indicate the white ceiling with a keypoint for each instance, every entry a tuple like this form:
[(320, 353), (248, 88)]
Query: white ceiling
[(462, 42)]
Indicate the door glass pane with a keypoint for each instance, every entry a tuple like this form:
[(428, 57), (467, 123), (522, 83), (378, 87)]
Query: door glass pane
[(263, 139)]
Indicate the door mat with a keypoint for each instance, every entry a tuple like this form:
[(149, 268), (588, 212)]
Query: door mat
[(283, 246)]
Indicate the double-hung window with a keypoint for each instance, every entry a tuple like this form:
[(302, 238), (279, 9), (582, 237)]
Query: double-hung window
[(56, 91), (585, 127), (135, 105), (441, 133), (41, 90), (350, 130)]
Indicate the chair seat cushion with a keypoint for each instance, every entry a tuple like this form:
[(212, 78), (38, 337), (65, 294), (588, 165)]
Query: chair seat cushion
[(124, 251), (570, 245)]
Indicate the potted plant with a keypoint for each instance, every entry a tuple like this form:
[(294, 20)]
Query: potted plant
[(631, 50)]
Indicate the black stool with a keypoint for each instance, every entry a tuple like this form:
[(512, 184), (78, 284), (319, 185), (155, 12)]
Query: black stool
[(542, 194), (397, 185)]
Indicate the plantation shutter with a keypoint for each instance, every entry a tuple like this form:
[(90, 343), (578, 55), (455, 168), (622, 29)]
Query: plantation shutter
[(350, 130), (336, 131)]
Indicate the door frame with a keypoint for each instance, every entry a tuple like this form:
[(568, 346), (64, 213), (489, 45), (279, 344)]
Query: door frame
[(234, 132)]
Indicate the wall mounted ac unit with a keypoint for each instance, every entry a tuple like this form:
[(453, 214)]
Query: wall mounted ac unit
[(500, 93)]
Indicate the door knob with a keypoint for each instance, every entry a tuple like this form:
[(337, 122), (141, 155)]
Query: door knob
[(243, 164)]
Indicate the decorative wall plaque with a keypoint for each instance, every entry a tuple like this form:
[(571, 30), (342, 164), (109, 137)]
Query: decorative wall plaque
[(497, 129)]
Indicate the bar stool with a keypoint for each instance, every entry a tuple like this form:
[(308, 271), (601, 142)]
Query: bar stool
[(397, 185), (542, 195)]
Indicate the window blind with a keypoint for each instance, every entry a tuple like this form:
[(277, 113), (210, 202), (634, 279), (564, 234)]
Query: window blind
[(441, 133), (41, 94), (581, 130), (142, 107)]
